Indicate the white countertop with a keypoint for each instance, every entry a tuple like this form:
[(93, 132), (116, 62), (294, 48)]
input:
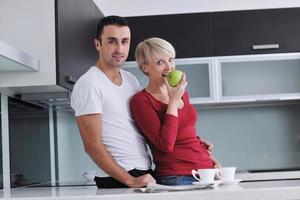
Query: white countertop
[(289, 189)]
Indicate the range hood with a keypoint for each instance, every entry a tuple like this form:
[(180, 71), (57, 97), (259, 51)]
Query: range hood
[(57, 100), (14, 60)]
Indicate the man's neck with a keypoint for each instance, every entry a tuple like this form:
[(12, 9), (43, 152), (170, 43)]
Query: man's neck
[(111, 72)]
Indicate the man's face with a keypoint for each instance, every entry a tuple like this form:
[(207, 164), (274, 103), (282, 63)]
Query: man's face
[(114, 46)]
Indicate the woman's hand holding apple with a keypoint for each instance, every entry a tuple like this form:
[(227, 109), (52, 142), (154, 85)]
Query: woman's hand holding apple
[(175, 93)]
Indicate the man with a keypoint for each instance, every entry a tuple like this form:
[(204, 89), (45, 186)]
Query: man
[(100, 99)]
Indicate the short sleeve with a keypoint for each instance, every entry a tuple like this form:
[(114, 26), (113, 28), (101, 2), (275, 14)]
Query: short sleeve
[(87, 98)]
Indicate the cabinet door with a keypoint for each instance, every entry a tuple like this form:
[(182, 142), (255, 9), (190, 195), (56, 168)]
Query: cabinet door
[(190, 34), (199, 78), (76, 23), (198, 75), (261, 78), (257, 31)]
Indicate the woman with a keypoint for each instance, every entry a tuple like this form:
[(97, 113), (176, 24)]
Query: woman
[(166, 117)]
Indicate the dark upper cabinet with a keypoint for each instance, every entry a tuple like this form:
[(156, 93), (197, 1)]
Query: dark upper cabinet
[(76, 23), (256, 31), (190, 34)]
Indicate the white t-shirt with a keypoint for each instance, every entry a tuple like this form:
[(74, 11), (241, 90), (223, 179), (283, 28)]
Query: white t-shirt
[(95, 93)]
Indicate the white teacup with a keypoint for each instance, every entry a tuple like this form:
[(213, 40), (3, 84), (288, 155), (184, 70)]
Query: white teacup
[(89, 175), (205, 175), (227, 173)]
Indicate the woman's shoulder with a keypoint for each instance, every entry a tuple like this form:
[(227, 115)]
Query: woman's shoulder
[(142, 95), (140, 99)]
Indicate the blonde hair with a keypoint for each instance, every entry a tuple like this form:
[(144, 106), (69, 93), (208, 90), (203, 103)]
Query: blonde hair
[(147, 49)]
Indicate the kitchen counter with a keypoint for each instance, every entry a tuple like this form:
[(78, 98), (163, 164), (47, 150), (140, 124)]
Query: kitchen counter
[(288, 189)]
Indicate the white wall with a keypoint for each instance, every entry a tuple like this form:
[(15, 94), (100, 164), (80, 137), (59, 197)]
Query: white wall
[(29, 26)]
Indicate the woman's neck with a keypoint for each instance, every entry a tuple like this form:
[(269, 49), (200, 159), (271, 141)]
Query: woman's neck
[(158, 91)]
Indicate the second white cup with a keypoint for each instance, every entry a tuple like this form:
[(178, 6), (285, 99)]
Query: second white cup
[(227, 173)]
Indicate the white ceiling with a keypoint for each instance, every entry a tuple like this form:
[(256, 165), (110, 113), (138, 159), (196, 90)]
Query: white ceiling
[(128, 8)]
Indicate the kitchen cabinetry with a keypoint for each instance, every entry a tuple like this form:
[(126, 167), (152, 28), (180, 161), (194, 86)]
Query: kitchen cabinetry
[(59, 33), (237, 79), (230, 74), (222, 33), (256, 31), (75, 32), (191, 34)]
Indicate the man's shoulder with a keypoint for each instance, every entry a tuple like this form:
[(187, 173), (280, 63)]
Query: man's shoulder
[(91, 72), (127, 74), (130, 79), (90, 76)]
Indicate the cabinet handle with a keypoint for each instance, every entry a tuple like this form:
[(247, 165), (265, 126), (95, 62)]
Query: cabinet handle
[(265, 46), (71, 79)]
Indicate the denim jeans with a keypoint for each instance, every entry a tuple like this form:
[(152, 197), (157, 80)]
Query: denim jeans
[(176, 180)]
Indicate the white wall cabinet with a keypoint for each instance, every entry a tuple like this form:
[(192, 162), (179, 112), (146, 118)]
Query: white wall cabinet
[(199, 76), (237, 79), (259, 78)]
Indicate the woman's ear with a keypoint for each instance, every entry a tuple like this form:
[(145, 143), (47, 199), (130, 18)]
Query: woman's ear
[(145, 69)]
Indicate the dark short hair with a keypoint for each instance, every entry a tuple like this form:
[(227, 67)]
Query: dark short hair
[(110, 20)]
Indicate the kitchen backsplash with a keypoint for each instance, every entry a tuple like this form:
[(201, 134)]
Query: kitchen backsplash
[(250, 137)]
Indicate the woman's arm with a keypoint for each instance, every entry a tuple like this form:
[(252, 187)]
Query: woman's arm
[(161, 135)]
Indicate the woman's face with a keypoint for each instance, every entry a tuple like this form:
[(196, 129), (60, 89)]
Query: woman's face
[(159, 66)]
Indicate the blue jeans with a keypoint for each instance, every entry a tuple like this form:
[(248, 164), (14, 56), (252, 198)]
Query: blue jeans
[(176, 180)]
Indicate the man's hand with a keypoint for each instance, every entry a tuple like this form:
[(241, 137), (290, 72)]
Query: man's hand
[(91, 131), (140, 181)]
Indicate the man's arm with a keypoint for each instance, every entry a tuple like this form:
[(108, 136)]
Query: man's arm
[(90, 127)]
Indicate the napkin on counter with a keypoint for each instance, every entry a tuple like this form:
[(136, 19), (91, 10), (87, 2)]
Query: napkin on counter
[(165, 188)]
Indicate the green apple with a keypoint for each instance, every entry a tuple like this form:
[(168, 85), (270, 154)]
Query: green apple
[(174, 77)]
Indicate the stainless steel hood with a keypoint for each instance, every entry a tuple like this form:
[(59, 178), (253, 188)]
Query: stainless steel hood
[(14, 60), (57, 100)]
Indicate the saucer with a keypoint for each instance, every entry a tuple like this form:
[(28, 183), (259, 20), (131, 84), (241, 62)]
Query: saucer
[(202, 183), (233, 182), (214, 183)]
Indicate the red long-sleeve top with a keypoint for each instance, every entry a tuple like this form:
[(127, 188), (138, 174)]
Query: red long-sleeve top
[(175, 146)]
